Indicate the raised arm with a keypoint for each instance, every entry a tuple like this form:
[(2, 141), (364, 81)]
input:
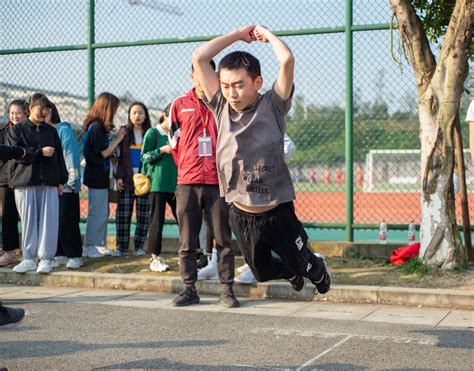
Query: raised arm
[(203, 55), (284, 83)]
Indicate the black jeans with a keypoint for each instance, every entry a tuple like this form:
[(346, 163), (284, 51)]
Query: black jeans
[(158, 201), (279, 230), (10, 219), (190, 201), (69, 236)]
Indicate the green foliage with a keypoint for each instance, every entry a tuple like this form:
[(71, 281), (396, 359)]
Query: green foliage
[(435, 15), (415, 266), (318, 132)]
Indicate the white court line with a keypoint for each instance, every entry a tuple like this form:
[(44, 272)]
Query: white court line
[(323, 353)]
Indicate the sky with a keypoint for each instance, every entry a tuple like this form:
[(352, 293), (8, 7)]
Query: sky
[(156, 74)]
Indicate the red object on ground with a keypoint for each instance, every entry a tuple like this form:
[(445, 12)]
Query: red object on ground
[(403, 254)]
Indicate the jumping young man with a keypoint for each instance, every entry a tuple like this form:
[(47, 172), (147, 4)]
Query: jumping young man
[(253, 175)]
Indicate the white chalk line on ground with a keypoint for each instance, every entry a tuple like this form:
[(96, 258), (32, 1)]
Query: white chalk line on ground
[(323, 353), (309, 333)]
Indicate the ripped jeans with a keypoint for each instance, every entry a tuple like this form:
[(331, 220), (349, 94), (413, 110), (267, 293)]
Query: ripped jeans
[(279, 230)]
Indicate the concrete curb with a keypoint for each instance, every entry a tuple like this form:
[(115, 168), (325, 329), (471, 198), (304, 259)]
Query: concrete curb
[(454, 299)]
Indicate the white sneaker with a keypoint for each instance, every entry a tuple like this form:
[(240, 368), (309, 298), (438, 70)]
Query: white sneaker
[(91, 252), (103, 250), (245, 277), (45, 266), (243, 268), (74, 263), (117, 253), (59, 260), (139, 252), (209, 272), (159, 265), (25, 266)]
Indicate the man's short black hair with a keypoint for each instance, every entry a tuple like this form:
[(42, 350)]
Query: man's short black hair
[(238, 60), (211, 62)]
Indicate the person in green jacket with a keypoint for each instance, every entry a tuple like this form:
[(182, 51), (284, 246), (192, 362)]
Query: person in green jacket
[(159, 165)]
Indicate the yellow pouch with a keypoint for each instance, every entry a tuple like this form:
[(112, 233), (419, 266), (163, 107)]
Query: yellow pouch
[(142, 184)]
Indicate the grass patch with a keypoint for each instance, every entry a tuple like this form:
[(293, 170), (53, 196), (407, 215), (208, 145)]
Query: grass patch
[(344, 270), (416, 266)]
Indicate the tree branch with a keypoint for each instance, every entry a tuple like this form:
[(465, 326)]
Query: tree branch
[(416, 43), (453, 67)]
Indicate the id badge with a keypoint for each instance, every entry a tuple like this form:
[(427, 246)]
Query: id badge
[(205, 146)]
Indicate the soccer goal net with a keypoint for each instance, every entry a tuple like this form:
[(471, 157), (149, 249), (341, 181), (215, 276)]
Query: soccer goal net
[(398, 170)]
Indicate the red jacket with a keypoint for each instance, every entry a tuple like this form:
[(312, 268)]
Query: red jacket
[(403, 254), (188, 115)]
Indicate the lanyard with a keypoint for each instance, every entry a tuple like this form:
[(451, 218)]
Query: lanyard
[(204, 119)]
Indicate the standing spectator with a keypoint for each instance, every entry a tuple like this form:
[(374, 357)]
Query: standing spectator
[(10, 317), (38, 182), (193, 134), (69, 250), (97, 150), (327, 177), (338, 176), (360, 176), (10, 217), (159, 164), (128, 163)]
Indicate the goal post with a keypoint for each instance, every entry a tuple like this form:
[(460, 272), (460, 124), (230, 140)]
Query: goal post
[(398, 170)]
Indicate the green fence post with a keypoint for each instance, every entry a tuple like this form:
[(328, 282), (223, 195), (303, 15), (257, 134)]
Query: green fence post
[(91, 54), (349, 126)]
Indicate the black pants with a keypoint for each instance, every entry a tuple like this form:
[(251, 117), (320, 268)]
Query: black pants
[(209, 237), (69, 237), (279, 230), (190, 201), (158, 201), (10, 218)]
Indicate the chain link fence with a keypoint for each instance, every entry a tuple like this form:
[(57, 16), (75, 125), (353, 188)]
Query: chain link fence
[(142, 51)]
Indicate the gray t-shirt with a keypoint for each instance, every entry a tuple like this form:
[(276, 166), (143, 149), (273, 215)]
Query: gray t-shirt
[(250, 157)]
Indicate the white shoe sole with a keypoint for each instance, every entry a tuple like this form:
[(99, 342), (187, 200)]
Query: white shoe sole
[(42, 271), (244, 282), (159, 270), (25, 270)]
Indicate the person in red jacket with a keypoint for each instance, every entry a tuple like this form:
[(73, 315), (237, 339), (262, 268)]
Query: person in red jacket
[(193, 136)]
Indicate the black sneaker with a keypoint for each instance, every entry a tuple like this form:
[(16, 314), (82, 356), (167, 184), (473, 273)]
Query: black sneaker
[(297, 282), (10, 317), (186, 297), (201, 260), (228, 299), (324, 284)]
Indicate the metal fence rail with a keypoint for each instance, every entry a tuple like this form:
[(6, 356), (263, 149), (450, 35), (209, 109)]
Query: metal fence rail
[(353, 120)]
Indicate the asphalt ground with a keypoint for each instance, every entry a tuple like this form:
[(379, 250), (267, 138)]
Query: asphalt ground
[(79, 329)]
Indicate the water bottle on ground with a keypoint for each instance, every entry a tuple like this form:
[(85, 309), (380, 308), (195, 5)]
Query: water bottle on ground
[(383, 233), (411, 232)]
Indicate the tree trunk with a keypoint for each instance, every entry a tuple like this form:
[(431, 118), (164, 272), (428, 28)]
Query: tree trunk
[(439, 89)]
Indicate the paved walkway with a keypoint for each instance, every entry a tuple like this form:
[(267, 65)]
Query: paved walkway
[(298, 309), (280, 290)]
